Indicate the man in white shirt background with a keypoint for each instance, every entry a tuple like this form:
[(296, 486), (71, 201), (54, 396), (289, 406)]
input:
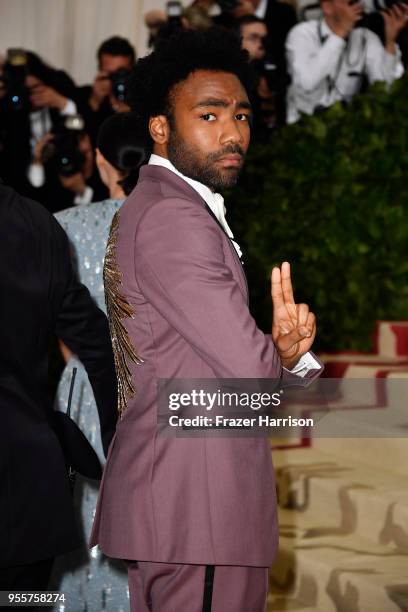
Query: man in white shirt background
[(328, 59)]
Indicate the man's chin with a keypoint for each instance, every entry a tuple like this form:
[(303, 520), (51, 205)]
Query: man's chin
[(228, 178)]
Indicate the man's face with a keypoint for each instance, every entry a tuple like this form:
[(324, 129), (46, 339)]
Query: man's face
[(253, 36), (337, 10), (209, 129), (112, 63), (33, 83)]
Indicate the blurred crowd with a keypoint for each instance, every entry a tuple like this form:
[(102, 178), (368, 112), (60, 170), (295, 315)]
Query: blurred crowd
[(305, 57)]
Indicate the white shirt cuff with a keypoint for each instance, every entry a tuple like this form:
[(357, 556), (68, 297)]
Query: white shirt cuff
[(69, 109), (393, 64), (306, 363), (84, 198), (36, 175)]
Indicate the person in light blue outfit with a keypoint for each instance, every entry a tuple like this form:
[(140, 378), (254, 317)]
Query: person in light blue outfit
[(91, 582)]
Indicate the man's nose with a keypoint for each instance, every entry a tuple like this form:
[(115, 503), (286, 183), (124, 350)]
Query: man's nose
[(232, 133)]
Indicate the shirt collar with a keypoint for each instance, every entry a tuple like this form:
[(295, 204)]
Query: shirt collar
[(260, 10), (202, 190), (214, 201), (325, 29)]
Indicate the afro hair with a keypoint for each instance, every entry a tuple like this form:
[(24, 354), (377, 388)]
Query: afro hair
[(175, 58)]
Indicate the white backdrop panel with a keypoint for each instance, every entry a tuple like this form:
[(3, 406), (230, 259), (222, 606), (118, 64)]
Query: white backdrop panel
[(67, 33)]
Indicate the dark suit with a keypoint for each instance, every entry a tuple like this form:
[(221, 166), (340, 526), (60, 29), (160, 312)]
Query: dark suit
[(40, 296), (93, 119)]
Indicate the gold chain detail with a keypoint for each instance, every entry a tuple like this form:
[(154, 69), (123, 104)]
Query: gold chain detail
[(118, 308)]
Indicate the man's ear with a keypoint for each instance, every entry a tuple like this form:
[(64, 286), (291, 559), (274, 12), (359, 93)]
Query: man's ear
[(159, 129)]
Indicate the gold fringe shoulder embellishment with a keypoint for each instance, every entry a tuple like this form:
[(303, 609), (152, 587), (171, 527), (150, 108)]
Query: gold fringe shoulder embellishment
[(118, 308)]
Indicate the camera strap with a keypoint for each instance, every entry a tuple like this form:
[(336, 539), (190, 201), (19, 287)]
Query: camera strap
[(345, 55)]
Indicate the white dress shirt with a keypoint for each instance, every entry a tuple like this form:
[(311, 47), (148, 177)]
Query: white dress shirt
[(216, 203), (260, 10), (325, 68)]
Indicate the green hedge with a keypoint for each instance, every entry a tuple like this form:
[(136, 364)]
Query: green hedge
[(330, 195)]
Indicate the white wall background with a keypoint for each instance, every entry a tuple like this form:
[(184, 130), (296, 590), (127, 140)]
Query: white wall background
[(67, 33)]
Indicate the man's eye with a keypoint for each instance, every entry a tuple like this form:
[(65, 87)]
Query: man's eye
[(242, 117), (208, 117)]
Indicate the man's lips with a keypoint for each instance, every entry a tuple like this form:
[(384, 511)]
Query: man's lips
[(233, 160)]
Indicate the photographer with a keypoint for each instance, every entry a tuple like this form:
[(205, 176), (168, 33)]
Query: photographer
[(64, 166), (269, 101), (329, 59), (116, 58), (36, 97), (279, 18)]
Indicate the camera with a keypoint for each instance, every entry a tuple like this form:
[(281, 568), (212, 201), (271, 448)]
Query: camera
[(371, 6), (119, 80), (62, 155), (174, 10), (13, 77)]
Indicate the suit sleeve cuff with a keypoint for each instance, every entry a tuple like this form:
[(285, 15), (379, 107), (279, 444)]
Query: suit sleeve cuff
[(393, 64), (36, 174)]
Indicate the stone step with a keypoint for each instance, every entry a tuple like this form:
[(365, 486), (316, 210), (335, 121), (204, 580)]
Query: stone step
[(339, 496), (336, 573), (290, 605), (380, 434)]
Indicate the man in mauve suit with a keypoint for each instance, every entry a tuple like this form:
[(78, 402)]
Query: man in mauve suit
[(196, 516)]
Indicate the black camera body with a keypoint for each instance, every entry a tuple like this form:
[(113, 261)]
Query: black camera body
[(61, 155), (120, 80)]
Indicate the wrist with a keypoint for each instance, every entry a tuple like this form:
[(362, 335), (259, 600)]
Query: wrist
[(60, 102), (290, 363), (80, 190), (390, 47), (95, 102)]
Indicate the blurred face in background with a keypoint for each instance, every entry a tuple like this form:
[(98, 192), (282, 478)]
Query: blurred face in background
[(34, 84), (112, 63), (337, 10), (245, 7), (108, 64), (253, 37)]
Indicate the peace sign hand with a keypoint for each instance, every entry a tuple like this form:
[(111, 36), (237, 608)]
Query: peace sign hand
[(293, 325)]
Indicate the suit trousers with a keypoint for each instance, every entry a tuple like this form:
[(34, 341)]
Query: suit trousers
[(173, 587)]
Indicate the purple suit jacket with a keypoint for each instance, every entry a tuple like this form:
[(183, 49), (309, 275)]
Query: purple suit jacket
[(181, 305)]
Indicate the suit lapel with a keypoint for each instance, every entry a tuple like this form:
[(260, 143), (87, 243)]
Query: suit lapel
[(242, 275), (159, 173)]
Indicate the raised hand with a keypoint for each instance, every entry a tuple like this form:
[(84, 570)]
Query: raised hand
[(102, 87), (42, 95), (395, 19), (293, 325)]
